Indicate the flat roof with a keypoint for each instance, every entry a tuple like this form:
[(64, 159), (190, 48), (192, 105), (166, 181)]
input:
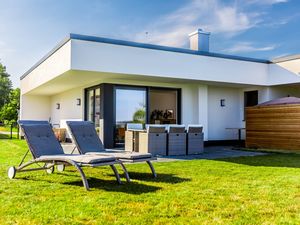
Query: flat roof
[(139, 45)]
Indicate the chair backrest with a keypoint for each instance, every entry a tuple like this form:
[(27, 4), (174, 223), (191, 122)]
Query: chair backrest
[(195, 128), (176, 129), (155, 128), (41, 139), (32, 122), (134, 126), (85, 136)]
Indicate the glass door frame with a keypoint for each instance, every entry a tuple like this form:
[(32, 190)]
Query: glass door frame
[(86, 101)]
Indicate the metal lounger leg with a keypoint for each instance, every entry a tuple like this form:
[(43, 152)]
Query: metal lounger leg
[(152, 169), (125, 171), (83, 177), (24, 157), (116, 174)]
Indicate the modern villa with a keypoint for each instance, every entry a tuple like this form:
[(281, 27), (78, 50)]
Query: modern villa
[(113, 82)]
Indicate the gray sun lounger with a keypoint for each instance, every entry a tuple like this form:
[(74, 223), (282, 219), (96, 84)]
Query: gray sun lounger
[(88, 142), (46, 149)]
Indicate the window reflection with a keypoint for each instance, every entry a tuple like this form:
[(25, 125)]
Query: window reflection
[(130, 108)]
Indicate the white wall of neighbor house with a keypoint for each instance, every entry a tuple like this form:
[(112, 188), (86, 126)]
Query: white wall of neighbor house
[(291, 65)]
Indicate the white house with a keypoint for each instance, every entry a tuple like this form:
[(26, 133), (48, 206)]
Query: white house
[(112, 82)]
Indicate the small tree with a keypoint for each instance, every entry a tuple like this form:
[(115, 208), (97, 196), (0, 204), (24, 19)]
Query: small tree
[(139, 116), (9, 111), (5, 86)]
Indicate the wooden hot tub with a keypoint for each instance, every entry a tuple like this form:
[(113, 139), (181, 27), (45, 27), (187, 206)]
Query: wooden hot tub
[(274, 125)]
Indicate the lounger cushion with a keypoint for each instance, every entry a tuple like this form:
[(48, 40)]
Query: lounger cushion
[(86, 159), (126, 155), (85, 136), (41, 140)]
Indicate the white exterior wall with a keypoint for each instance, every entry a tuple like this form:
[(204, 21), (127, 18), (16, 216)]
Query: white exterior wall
[(283, 91), (200, 105), (58, 63), (35, 107), (220, 118), (94, 56), (68, 106)]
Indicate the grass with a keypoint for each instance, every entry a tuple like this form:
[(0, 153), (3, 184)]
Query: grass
[(7, 129), (245, 190)]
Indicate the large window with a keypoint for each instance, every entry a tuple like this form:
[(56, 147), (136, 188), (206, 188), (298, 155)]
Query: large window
[(130, 108)]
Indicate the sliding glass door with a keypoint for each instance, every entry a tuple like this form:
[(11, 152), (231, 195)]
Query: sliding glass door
[(130, 107)]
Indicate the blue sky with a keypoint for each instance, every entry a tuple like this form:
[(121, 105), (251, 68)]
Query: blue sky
[(254, 28)]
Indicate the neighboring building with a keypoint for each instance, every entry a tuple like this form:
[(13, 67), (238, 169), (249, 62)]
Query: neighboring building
[(112, 82)]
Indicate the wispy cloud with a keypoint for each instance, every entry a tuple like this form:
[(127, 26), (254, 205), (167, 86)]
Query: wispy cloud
[(248, 47), (229, 19), (211, 15), (265, 2)]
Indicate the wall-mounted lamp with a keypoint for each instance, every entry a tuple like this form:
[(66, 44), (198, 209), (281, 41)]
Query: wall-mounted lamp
[(78, 101), (57, 105), (222, 102)]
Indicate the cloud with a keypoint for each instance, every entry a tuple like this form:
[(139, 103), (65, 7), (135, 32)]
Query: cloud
[(210, 15), (248, 47), (216, 16), (266, 2)]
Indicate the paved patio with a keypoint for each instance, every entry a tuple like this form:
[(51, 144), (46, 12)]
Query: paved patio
[(212, 152)]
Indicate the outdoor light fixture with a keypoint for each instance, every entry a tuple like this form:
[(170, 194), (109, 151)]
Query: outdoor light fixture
[(57, 105), (78, 101), (222, 102)]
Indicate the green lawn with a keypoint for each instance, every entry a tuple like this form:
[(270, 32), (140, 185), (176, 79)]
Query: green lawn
[(8, 128), (245, 190)]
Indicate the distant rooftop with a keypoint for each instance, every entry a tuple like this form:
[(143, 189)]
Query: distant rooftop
[(286, 58), (141, 45)]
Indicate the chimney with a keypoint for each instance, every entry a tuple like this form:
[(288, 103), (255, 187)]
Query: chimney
[(199, 40)]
